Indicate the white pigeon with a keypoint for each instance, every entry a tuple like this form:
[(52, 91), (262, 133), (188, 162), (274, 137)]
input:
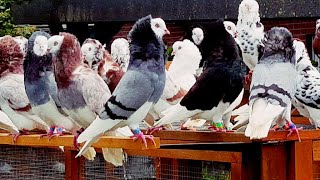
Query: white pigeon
[(307, 94), (185, 63), (197, 35), (250, 31), (120, 52)]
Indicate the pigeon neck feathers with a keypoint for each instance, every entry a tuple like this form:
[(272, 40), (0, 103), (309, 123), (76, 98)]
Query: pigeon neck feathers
[(11, 57), (218, 45), (145, 45), (67, 60), (279, 43)]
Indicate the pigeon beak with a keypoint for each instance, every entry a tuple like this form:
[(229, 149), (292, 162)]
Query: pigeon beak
[(167, 31), (173, 53)]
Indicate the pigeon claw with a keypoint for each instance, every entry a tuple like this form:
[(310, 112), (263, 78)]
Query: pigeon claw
[(75, 142), (155, 129), (143, 138), (293, 128)]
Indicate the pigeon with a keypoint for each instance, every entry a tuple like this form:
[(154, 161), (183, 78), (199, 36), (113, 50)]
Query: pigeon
[(231, 29), (99, 59), (250, 34), (120, 52), (316, 41), (13, 98), (23, 43), (141, 86), (273, 86), (7, 124), (41, 87), (217, 87), (185, 63), (307, 97)]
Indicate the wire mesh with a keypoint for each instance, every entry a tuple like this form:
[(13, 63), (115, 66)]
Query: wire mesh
[(29, 163), (149, 168)]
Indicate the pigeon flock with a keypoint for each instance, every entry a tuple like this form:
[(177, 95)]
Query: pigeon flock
[(52, 83)]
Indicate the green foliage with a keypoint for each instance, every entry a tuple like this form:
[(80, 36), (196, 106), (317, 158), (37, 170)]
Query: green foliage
[(6, 22), (169, 52), (207, 175)]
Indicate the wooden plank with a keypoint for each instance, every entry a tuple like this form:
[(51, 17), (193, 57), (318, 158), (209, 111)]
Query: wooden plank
[(205, 155), (236, 169), (316, 150), (301, 161), (300, 120), (72, 165), (207, 136), (273, 162), (67, 140)]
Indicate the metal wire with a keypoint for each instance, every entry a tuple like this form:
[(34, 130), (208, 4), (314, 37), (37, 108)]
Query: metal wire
[(149, 168), (28, 163)]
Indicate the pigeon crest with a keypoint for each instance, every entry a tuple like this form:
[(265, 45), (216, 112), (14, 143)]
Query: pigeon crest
[(120, 52)]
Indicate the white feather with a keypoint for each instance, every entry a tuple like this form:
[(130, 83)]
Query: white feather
[(261, 116), (7, 124)]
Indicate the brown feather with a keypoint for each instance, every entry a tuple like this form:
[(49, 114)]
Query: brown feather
[(316, 43), (11, 57), (67, 60)]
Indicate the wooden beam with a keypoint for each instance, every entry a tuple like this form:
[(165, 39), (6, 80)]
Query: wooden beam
[(67, 140), (236, 169), (205, 155), (171, 136), (300, 161), (73, 165), (273, 162), (316, 150)]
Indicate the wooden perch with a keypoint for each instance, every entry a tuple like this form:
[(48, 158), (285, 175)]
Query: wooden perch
[(67, 141)]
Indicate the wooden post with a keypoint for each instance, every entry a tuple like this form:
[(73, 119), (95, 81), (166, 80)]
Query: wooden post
[(273, 161), (236, 169), (300, 164), (73, 165)]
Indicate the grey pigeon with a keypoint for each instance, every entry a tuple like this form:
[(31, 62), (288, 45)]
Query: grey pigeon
[(141, 86), (41, 87), (272, 87)]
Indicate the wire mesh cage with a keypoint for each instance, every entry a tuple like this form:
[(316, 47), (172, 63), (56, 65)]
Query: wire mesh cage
[(29, 163), (145, 168)]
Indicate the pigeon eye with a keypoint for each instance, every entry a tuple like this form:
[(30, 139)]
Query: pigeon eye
[(89, 49), (258, 24), (179, 47), (229, 28), (157, 25), (55, 43)]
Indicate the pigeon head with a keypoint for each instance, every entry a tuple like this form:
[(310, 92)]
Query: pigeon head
[(176, 47), (92, 51), (231, 28), (197, 35), (11, 56), (54, 44), (120, 52), (248, 12), (279, 40), (159, 27), (40, 45)]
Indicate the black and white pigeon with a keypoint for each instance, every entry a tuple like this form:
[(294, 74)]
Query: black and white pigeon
[(307, 94), (41, 87), (273, 86), (250, 32), (141, 86), (218, 86)]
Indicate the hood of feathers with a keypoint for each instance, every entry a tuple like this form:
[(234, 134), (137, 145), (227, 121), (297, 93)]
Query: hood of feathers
[(92, 53), (120, 52), (11, 56), (248, 12), (141, 31), (34, 63), (67, 59), (187, 52), (218, 44), (279, 42)]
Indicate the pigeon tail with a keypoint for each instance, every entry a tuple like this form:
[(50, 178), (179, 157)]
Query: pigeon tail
[(261, 116)]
